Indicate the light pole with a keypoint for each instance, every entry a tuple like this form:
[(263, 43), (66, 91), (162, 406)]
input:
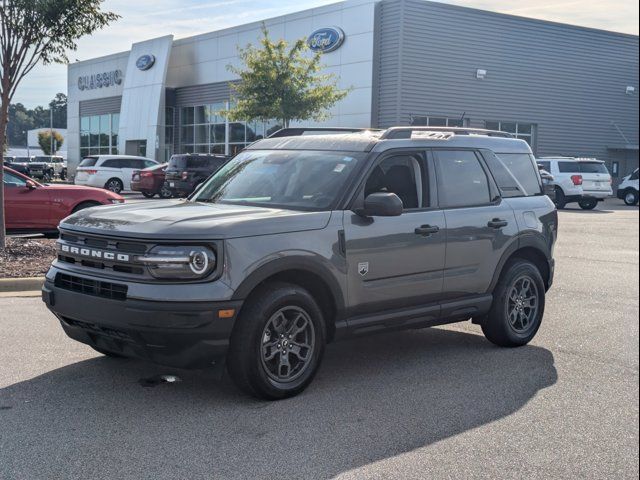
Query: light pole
[(51, 130), (26, 136)]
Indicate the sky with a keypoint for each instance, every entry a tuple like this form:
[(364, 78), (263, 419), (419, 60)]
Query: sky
[(144, 19)]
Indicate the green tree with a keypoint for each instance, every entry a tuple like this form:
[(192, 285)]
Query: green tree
[(44, 140), (38, 31), (282, 83)]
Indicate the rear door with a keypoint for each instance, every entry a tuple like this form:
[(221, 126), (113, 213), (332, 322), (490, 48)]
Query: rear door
[(479, 224), (396, 262)]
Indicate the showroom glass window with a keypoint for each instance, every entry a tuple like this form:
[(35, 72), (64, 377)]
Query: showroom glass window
[(428, 121), (523, 131), (99, 134), (204, 129)]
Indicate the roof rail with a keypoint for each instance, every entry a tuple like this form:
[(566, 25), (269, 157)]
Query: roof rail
[(298, 131), (405, 132)]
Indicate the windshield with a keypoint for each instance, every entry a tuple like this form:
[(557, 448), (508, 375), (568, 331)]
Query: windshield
[(296, 179), (40, 158)]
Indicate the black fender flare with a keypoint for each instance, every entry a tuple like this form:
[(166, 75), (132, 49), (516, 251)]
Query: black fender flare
[(294, 262), (533, 240)]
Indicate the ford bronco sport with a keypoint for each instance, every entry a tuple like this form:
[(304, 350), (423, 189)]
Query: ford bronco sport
[(300, 240)]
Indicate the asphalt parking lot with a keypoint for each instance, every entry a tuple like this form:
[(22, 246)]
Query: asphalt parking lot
[(436, 403)]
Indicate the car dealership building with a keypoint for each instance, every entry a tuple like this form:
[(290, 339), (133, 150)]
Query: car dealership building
[(566, 90)]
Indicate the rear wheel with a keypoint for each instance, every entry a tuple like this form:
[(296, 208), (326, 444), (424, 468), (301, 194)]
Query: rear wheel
[(588, 204), (631, 198), (148, 194), (561, 199), (114, 184), (278, 342), (518, 305)]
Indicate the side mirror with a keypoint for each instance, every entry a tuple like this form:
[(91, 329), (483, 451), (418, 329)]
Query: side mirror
[(382, 204), (31, 185)]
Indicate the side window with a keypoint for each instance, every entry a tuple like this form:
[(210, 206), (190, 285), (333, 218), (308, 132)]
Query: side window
[(111, 163), (545, 165), (403, 175), (515, 173), (462, 181), (634, 175), (148, 163), (567, 167), (11, 180)]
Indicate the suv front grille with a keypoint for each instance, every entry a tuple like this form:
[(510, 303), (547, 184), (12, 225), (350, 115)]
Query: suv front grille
[(97, 288)]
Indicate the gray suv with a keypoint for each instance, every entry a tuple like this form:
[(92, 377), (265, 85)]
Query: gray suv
[(300, 240)]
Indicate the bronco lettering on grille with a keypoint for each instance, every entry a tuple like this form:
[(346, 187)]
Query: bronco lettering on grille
[(90, 252)]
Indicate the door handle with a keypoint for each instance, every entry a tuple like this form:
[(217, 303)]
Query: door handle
[(497, 223), (426, 230)]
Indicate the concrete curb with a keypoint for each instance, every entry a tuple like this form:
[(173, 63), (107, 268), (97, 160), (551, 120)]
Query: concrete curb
[(21, 284)]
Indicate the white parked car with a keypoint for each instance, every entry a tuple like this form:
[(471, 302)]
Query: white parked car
[(628, 189), (112, 172), (585, 181)]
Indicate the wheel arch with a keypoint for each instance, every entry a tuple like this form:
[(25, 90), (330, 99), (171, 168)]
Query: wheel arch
[(92, 203), (308, 274), (528, 247)]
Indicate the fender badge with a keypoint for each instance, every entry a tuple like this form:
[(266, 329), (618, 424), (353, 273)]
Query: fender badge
[(363, 268)]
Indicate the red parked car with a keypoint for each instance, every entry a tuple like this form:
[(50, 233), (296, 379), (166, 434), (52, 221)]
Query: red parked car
[(150, 181), (31, 207)]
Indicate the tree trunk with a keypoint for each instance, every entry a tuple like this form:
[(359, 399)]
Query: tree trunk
[(4, 117)]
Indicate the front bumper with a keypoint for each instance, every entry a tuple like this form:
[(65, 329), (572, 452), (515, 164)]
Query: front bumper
[(177, 334)]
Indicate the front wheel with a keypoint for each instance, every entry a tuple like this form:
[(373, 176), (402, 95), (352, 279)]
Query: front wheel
[(631, 198), (277, 343), (165, 192), (518, 305), (588, 204)]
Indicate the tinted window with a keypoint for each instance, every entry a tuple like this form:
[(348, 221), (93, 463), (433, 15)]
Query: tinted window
[(461, 179), (12, 180), (402, 175), (112, 163), (634, 175), (545, 165), (88, 162), (43, 159), (593, 167), (515, 173), (23, 159)]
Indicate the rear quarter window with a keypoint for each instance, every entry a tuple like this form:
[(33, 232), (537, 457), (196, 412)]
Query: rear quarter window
[(88, 162), (516, 174)]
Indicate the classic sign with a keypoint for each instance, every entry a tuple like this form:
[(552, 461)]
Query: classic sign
[(100, 80), (145, 62), (326, 39)]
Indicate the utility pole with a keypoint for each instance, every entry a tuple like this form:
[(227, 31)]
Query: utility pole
[(51, 130)]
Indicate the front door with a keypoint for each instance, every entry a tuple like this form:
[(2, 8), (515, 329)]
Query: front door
[(479, 225), (25, 208), (396, 262)]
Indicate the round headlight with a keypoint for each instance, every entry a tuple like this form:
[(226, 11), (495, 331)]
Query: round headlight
[(198, 262)]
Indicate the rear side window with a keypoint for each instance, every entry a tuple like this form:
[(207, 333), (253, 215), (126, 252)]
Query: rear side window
[(462, 181), (112, 163), (515, 173), (545, 165), (88, 162)]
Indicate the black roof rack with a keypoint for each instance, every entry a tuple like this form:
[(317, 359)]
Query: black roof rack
[(298, 131), (405, 132)]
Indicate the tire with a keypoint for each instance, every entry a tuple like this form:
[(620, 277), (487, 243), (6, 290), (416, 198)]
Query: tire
[(165, 192), (83, 205), (148, 194), (589, 204), (63, 175), (256, 362), (114, 184), (631, 198), (561, 199), (107, 353), (500, 327), (46, 177)]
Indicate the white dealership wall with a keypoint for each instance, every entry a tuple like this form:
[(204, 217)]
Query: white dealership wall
[(203, 59)]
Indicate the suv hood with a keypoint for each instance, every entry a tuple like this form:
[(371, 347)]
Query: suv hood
[(179, 219)]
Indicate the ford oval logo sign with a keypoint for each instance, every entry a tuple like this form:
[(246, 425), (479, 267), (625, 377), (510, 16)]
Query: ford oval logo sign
[(326, 39), (145, 62)]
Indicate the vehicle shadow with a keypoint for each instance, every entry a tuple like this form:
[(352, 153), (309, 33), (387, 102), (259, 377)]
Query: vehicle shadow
[(373, 398)]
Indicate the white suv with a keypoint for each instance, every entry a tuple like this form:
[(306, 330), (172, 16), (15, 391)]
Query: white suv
[(628, 189), (586, 181), (112, 172)]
